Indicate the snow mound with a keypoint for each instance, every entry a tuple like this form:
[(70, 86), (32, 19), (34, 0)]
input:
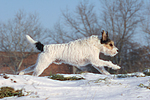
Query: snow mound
[(94, 87)]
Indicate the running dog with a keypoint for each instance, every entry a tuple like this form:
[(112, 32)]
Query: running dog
[(78, 53)]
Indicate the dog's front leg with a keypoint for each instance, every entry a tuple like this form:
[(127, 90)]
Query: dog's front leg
[(102, 70), (113, 66), (101, 63)]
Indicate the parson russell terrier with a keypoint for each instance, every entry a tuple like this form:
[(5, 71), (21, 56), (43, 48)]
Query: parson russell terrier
[(78, 53)]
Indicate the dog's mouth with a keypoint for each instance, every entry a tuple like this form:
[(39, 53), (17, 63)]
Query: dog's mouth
[(115, 54), (111, 53)]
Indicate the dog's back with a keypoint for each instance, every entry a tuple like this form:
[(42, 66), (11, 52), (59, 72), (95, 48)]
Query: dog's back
[(75, 52)]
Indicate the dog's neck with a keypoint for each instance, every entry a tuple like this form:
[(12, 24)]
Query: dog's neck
[(102, 49)]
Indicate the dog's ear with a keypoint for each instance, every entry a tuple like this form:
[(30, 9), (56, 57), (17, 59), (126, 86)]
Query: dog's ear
[(104, 36), (105, 39), (107, 34)]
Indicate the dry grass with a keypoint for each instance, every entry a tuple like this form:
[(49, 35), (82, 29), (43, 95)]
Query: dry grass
[(9, 91), (62, 78)]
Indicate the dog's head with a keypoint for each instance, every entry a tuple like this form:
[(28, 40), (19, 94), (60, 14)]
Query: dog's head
[(108, 47)]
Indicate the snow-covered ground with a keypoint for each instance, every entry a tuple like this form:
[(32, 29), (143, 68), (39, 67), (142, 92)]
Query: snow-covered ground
[(94, 87)]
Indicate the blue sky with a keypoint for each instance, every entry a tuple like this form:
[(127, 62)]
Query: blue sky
[(49, 11)]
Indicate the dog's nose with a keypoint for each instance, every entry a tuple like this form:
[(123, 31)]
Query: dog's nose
[(117, 50)]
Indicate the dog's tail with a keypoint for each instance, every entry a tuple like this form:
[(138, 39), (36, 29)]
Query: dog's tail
[(37, 44)]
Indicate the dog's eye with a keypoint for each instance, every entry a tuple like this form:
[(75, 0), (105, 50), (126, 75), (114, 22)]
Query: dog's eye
[(110, 45)]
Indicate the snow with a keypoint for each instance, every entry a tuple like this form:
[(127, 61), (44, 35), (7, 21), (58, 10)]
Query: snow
[(94, 87)]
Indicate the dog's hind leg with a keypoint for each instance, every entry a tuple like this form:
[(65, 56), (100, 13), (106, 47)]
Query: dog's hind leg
[(27, 70), (42, 63)]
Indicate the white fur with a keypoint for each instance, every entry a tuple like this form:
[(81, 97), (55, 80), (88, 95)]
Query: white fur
[(30, 40), (77, 53)]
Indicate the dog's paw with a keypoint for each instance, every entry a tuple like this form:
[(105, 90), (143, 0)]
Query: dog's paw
[(113, 66), (106, 73), (116, 67), (21, 73)]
